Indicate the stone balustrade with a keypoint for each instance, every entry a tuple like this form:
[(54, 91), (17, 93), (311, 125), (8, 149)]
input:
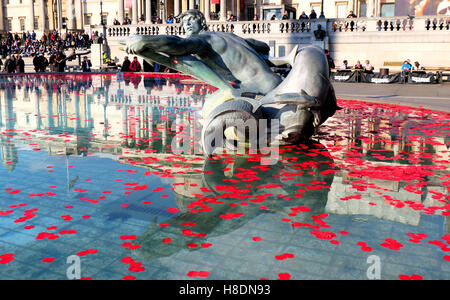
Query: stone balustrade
[(390, 24), (263, 28), (381, 39)]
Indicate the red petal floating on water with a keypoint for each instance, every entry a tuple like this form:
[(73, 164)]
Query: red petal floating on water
[(86, 252), (284, 276), (284, 256), (412, 277), (48, 259), (6, 258)]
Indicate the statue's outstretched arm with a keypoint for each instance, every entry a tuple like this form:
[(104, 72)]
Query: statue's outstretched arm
[(168, 44)]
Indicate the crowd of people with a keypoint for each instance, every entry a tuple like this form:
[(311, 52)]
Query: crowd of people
[(155, 20), (28, 44), (14, 47)]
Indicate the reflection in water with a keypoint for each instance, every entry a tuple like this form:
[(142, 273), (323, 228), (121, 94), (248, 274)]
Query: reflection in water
[(374, 172), (241, 188)]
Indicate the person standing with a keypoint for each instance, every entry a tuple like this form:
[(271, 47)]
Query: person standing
[(135, 66), (20, 65), (303, 16), (147, 66), (351, 15), (10, 65), (125, 65), (86, 65), (61, 61), (40, 62)]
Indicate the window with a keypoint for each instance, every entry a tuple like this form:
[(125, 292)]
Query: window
[(341, 10), (36, 23), (250, 13), (9, 24), (387, 9), (363, 10), (268, 13), (316, 7), (87, 19), (22, 24)]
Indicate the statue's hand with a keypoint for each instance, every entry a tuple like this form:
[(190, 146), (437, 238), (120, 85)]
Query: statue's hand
[(135, 44)]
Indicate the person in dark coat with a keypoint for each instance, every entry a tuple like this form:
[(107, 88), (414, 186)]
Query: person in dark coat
[(10, 65), (86, 65), (125, 65), (40, 63), (61, 61), (147, 67), (20, 65)]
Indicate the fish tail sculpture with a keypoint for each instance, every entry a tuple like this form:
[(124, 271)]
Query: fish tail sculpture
[(302, 102)]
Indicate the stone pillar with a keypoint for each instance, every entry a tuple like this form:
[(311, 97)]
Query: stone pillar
[(30, 16), (258, 9), (223, 10), (120, 13), (59, 13), (238, 10), (140, 8), (233, 7), (207, 10), (370, 8), (176, 7), (148, 11), (377, 10), (70, 15), (2, 24), (191, 4), (134, 11), (79, 9)]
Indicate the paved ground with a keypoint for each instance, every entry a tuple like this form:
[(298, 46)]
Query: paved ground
[(433, 96)]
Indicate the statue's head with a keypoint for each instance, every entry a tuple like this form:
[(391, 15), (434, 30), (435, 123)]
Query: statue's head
[(193, 21)]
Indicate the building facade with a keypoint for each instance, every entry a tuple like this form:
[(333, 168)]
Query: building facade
[(61, 15)]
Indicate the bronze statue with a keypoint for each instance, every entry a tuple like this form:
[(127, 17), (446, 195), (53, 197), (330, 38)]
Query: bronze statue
[(248, 89)]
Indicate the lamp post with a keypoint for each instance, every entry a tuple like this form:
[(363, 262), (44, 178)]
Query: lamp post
[(101, 13), (321, 11)]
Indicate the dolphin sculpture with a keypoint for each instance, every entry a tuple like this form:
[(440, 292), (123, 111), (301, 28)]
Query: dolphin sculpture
[(303, 101)]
